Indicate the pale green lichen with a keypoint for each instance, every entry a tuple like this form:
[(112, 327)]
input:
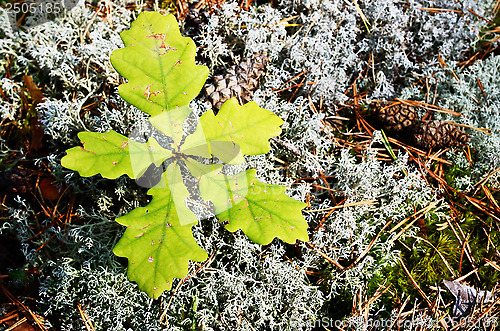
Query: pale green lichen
[(244, 285)]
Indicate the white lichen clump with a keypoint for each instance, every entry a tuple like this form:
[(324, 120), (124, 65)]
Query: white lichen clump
[(245, 286)]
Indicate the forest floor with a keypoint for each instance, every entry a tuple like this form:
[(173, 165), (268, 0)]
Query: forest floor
[(399, 167)]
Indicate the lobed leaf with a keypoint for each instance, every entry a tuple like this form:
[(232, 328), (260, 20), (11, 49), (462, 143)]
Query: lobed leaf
[(262, 211), (158, 241), (247, 127), (159, 65), (112, 155), (162, 79), (226, 151), (198, 169), (171, 123)]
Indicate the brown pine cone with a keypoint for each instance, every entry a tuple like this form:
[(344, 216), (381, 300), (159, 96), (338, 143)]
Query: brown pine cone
[(240, 81), (395, 117), (17, 181), (436, 135)]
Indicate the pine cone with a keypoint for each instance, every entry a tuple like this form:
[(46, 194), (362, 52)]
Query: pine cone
[(240, 81), (436, 135), (17, 181), (395, 117)]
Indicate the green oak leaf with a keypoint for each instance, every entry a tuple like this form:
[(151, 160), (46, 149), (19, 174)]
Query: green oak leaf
[(158, 241), (226, 151), (198, 169), (171, 123), (262, 211), (247, 127), (112, 155), (163, 78), (159, 65)]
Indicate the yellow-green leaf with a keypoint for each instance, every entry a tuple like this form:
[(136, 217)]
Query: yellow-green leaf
[(171, 123), (248, 127), (112, 155), (158, 241), (159, 65), (262, 211)]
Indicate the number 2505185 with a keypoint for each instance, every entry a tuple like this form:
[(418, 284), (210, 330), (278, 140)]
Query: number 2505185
[(40, 7)]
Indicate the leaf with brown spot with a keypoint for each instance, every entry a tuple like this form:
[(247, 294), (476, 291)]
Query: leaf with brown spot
[(158, 241), (262, 211), (159, 65), (112, 155)]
